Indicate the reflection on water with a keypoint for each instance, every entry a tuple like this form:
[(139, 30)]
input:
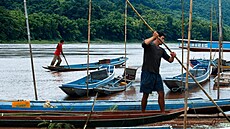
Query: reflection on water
[(17, 83)]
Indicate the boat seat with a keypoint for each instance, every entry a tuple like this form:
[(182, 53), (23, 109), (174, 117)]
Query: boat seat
[(99, 74), (197, 72), (130, 73)]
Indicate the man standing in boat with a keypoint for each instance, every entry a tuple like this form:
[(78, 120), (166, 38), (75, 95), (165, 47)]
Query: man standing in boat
[(57, 54), (150, 78)]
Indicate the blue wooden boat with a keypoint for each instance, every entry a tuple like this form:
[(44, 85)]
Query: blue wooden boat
[(94, 79), (194, 62), (117, 62), (196, 105), (201, 73), (205, 46), (93, 119), (118, 84)]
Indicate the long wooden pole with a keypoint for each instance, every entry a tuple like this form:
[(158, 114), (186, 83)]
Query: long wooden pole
[(180, 63), (182, 37), (210, 39), (88, 118), (31, 54), (125, 38), (187, 72), (89, 19), (220, 46)]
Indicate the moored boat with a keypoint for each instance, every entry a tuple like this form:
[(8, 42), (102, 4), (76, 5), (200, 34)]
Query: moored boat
[(201, 73), (205, 46), (94, 79), (196, 105), (117, 62), (93, 119)]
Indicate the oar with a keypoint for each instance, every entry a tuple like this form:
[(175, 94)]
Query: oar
[(180, 62), (65, 60)]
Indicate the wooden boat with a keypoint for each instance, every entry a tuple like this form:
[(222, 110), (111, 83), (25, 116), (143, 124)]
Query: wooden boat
[(224, 80), (94, 79), (117, 62), (196, 105), (204, 49), (225, 66), (118, 84), (205, 46), (95, 119), (200, 72)]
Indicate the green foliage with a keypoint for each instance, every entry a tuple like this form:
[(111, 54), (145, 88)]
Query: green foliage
[(68, 19)]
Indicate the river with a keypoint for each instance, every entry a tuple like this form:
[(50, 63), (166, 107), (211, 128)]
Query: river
[(17, 80)]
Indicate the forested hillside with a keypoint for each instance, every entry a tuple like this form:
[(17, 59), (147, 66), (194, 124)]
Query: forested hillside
[(68, 19)]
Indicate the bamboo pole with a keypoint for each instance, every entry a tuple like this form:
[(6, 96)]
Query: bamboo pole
[(180, 63), (31, 54), (187, 72), (220, 46), (89, 19), (182, 41), (125, 38), (210, 40), (88, 118)]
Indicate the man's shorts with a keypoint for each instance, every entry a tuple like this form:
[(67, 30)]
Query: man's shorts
[(151, 82)]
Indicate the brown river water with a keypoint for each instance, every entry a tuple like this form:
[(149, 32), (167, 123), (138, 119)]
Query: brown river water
[(16, 81), (16, 72)]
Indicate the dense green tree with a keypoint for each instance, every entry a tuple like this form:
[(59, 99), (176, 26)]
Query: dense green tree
[(68, 19)]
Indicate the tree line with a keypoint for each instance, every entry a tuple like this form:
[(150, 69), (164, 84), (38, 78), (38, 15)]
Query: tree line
[(68, 20)]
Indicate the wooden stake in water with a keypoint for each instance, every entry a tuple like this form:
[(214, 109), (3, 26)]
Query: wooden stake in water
[(31, 54), (182, 41), (187, 72), (125, 38), (220, 49), (89, 19)]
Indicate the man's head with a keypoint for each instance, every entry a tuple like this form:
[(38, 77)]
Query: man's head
[(62, 41), (161, 35)]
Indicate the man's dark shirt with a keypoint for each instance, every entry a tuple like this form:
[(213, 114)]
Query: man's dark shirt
[(152, 57)]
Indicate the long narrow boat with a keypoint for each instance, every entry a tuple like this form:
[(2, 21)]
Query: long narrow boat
[(196, 105), (205, 46), (117, 62), (201, 73), (118, 84), (95, 119), (95, 78)]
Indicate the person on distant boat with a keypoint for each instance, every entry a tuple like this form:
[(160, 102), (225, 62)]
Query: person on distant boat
[(150, 77), (57, 54)]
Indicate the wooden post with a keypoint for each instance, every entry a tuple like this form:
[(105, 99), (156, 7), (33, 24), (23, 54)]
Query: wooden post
[(31, 54), (187, 72), (210, 40), (89, 19), (220, 46), (125, 38), (182, 41)]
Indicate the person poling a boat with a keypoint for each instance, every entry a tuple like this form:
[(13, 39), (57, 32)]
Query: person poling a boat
[(57, 54), (150, 78)]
